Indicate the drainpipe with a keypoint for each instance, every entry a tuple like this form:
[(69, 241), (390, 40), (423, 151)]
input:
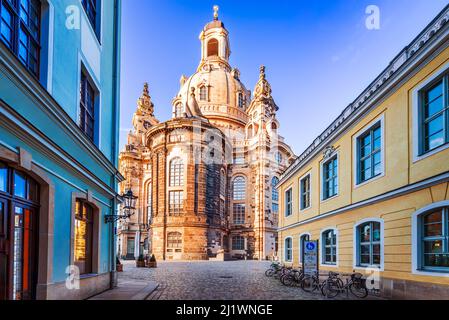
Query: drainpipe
[(115, 132)]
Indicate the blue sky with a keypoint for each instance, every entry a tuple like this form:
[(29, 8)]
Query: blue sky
[(318, 53)]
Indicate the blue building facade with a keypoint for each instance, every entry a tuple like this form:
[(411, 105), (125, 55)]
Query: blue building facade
[(59, 129)]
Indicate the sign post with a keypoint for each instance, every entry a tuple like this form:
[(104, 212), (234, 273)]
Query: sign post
[(310, 264)]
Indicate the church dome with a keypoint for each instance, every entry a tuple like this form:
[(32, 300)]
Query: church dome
[(220, 94)]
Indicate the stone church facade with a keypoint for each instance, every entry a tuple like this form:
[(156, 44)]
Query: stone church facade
[(206, 178)]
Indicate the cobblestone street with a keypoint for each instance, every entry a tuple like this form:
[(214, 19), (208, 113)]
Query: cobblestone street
[(234, 280)]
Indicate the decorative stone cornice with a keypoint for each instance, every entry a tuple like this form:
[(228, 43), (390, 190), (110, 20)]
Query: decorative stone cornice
[(377, 87)]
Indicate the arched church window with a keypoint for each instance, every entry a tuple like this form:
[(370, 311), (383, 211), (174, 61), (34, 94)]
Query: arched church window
[(239, 188), (212, 48), (203, 93), (178, 110), (176, 172), (278, 157)]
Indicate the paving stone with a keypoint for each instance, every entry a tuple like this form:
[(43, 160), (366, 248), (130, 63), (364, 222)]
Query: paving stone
[(206, 280)]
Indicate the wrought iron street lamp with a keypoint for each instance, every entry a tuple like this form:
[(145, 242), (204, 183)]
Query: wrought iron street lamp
[(129, 208)]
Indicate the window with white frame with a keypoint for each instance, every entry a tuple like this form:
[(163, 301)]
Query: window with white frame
[(329, 245), (369, 154), (275, 195), (176, 172), (433, 245), (238, 243), (176, 199), (369, 244), (330, 178), (305, 192), (288, 202), (288, 250), (239, 189), (434, 115), (238, 210)]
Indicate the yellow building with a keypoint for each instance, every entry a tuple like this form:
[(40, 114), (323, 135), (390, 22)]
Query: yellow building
[(373, 187)]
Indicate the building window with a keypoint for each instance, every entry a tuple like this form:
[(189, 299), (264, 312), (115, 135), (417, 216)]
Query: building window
[(176, 173), (223, 183), (238, 213), (434, 116), (176, 199), (369, 236), (288, 202), (20, 27), (84, 226), (238, 243), (88, 96), (212, 48), (174, 242), (288, 250), (369, 154), (278, 157), (305, 192), (203, 93), (434, 240), (330, 178), (149, 202), (241, 101), (92, 8), (275, 194), (179, 110), (239, 158), (239, 188), (329, 254)]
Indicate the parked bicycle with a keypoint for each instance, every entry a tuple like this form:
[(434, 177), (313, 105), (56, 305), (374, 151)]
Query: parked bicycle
[(292, 278), (355, 284), (274, 268)]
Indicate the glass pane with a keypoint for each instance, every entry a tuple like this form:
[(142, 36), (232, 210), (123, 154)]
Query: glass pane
[(434, 107), (376, 259), (365, 233), (364, 259), (6, 25), (434, 132), (20, 185), (3, 178), (365, 250), (365, 146), (436, 260), (433, 224), (433, 246), (376, 232)]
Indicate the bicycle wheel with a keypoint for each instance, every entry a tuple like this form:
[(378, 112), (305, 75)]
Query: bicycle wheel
[(358, 290), (332, 288), (287, 280), (309, 284), (269, 272)]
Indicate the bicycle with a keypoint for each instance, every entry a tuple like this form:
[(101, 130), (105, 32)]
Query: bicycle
[(356, 285), (312, 283), (274, 268), (294, 277)]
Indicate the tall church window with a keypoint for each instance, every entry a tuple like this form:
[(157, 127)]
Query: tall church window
[(239, 188), (203, 93), (212, 48), (241, 100), (176, 199), (223, 183), (176, 173), (239, 213), (179, 110)]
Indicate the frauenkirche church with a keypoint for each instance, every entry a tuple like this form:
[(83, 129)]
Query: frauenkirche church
[(206, 178)]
